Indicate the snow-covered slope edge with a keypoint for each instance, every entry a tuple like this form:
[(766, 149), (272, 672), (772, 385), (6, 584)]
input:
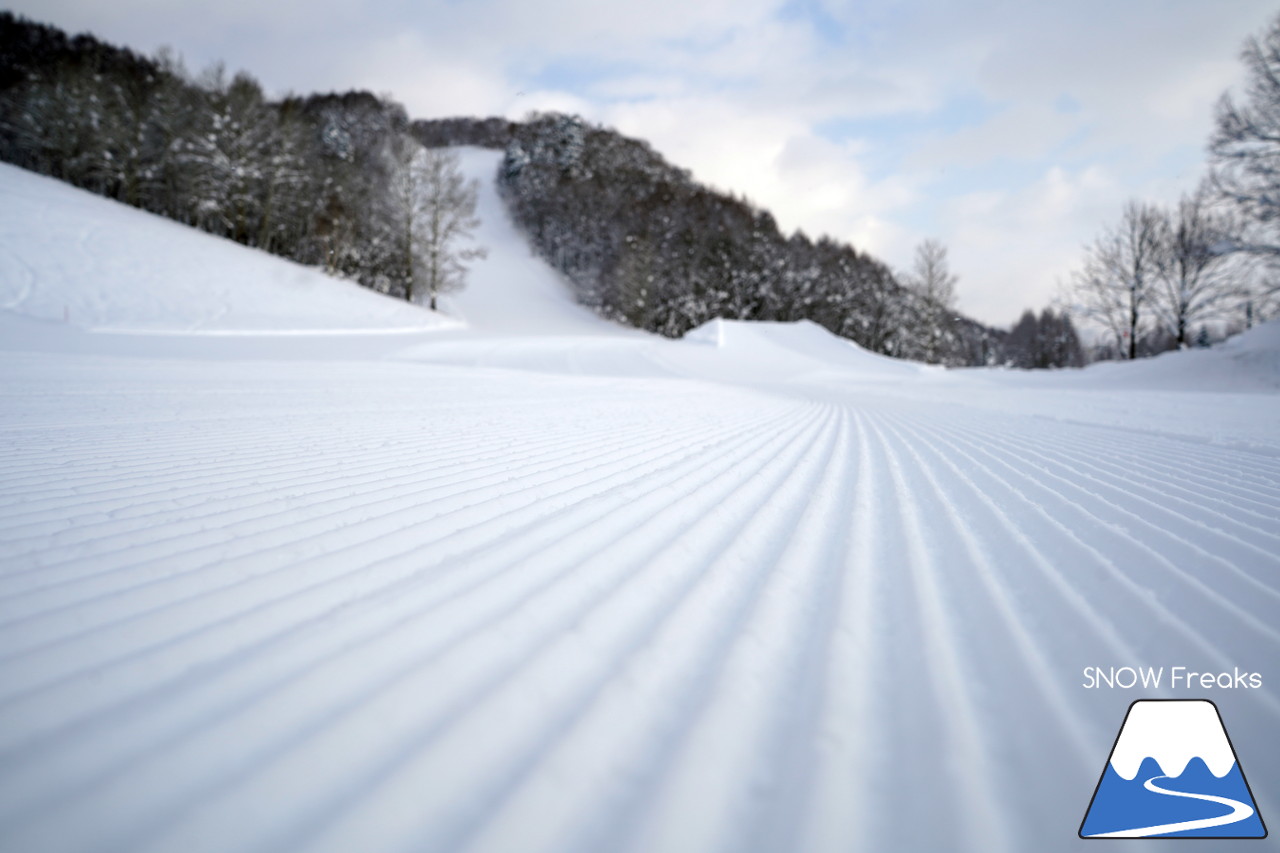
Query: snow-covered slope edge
[(1246, 362), (149, 274), (511, 291)]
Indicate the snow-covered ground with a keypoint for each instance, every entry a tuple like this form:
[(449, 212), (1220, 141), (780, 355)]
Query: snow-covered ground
[(542, 583)]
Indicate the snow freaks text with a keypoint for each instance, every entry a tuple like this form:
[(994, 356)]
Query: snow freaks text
[(1175, 677)]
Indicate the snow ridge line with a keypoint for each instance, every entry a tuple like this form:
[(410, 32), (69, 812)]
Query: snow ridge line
[(342, 567), (730, 753), (1220, 464), (819, 550), (1230, 552), (454, 462), (1000, 574), (436, 483), (975, 815), (1017, 489), (1095, 457), (408, 763), (1204, 464), (838, 812), (357, 426), (1170, 560), (990, 553), (265, 466), (1179, 522), (257, 655), (1090, 506)]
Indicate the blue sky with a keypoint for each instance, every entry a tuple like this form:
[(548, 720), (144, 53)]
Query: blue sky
[(1011, 131)]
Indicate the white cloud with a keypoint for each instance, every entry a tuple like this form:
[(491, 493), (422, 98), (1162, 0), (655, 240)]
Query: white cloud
[(1014, 249), (807, 182), (1027, 131), (429, 82)]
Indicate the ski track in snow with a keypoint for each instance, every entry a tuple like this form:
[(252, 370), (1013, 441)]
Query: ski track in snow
[(419, 603)]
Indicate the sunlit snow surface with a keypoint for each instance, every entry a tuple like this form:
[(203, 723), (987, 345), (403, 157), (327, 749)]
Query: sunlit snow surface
[(549, 584)]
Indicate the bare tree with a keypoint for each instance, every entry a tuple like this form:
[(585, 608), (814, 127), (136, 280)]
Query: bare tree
[(436, 208), (1245, 146), (1245, 151), (932, 280), (1199, 281), (1122, 270)]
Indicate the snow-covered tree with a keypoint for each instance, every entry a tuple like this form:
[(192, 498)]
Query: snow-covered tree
[(289, 182), (225, 155), (1049, 340), (436, 208), (56, 121), (935, 285)]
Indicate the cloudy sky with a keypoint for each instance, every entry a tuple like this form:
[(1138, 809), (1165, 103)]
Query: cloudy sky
[(1011, 130)]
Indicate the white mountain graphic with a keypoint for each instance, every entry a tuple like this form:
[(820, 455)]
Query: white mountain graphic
[(1173, 773), (1172, 733)]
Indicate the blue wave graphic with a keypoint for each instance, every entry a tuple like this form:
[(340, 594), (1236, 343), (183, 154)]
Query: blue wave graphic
[(1121, 805)]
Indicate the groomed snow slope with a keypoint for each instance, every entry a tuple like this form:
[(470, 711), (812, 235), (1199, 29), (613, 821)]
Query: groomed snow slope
[(287, 598), (74, 258), (490, 303)]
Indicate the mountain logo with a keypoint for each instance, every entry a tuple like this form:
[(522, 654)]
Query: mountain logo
[(1172, 773)]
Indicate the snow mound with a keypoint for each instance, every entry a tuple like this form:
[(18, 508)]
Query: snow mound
[(1256, 352), (785, 350), (1249, 362), (72, 257), (728, 351)]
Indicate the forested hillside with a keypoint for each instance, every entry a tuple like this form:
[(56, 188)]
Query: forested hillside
[(310, 178), (321, 179), (645, 244)]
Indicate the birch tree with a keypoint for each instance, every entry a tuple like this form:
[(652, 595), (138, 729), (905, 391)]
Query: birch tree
[(436, 209)]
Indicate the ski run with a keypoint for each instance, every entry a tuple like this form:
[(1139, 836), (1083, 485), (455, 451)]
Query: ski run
[(289, 566)]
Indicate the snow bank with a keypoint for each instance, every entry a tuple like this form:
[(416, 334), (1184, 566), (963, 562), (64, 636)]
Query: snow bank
[(69, 256), (797, 348), (1246, 363), (728, 351)]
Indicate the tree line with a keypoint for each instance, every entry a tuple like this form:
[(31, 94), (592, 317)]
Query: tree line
[(644, 244), (336, 181), (1159, 277)]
